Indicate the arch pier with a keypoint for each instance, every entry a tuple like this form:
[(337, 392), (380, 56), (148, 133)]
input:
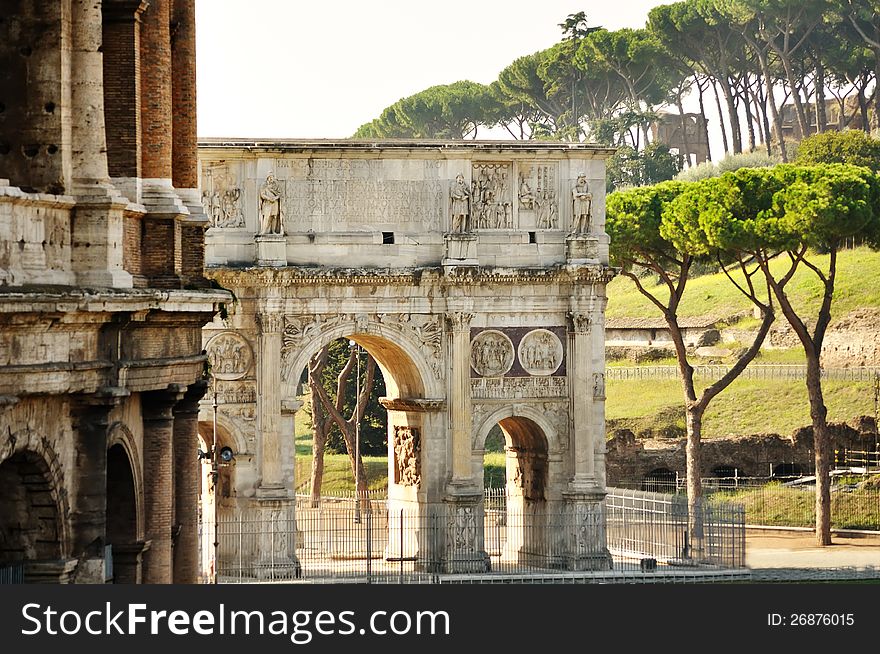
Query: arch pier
[(491, 316)]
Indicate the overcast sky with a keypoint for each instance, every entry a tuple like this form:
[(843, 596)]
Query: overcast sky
[(320, 69)]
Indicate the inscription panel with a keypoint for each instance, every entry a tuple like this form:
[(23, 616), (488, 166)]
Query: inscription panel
[(325, 195)]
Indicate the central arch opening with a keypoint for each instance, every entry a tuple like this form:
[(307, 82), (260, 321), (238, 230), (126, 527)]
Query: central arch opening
[(363, 500)]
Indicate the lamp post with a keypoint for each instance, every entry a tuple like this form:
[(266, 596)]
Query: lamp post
[(215, 476), (357, 436)]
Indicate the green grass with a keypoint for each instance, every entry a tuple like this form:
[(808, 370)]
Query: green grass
[(714, 295), (337, 469), (774, 505), (654, 407), (494, 469)]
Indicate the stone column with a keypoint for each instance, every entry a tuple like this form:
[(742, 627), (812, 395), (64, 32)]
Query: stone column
[(580, 382), (186, 485), (460, 396), (96, 250), (465, 550), (88, 499), (162, 245), (269, 405), (158, 417), (185, 159), (584, 516)]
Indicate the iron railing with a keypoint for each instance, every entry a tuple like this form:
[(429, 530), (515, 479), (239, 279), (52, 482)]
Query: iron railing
[(12, 573), (758, 371), (785, 502), (379, 542)]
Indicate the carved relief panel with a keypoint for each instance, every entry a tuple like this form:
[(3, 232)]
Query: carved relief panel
[(492, 196), (538, 196), (491, 354), (230, 356), (540, 352), (521, 352), (222, 197), (407, 456)]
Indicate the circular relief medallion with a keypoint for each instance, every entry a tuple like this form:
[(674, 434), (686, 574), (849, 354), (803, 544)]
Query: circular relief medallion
[(230, 356), (540, 352), (491, 353)]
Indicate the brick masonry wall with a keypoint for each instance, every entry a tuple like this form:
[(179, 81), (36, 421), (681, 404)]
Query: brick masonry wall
[(183, 61), (122, 97), (156, 129)]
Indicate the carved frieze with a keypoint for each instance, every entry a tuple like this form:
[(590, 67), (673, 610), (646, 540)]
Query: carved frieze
[(407, 456), (540, 352), (232, 394), (230, 356), (221, 198), (491, 196), (538, 194), (491, 353), (502, 388)]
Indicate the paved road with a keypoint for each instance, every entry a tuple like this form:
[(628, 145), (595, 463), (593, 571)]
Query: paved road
[(799, 550)]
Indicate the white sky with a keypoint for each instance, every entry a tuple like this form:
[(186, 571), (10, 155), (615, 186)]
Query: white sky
[(320, 69)]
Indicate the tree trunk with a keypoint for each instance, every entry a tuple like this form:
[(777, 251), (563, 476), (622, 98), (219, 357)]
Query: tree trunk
[(320, 425), (876, 124), (319, 442), (821, 446), (732, 113), (694, 421), (793, 80), (771, 100), (684, 136), (721, 119), (749, 120), (705, 125), (821, 114)]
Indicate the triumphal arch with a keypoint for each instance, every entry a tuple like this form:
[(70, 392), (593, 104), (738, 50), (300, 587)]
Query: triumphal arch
[(473, 272)]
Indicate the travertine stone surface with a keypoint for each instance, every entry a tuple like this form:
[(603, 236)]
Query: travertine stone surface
[(454, 266)]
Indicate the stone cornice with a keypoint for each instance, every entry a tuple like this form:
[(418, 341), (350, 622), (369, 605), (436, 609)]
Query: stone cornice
[(429, 148), (43, 299)]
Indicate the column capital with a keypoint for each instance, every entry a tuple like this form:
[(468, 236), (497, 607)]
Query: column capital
[(459, 321), (580, 322), (270, 322)]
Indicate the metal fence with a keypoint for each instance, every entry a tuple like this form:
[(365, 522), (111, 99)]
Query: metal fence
[(12, 573), (785, 502), (650, 525), (376, 542), (760, 371)]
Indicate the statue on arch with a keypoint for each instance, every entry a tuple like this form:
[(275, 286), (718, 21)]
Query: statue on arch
[(270, 207), (460, 194), (582, 206)]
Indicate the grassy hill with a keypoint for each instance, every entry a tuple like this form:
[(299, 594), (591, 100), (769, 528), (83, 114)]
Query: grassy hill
[(655, 407), (714, 295)]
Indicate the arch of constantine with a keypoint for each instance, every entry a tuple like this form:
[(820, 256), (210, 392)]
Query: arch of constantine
[(473, 272)]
